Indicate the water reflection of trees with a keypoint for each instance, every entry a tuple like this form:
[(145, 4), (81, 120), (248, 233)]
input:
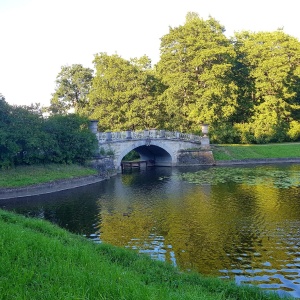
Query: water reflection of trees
[(210, 228), (250, 232)]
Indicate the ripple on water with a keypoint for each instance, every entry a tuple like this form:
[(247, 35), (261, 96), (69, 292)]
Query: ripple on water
[(247, 231)]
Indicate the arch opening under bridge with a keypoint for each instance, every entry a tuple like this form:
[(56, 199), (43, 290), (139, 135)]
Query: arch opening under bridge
[(157, 154)]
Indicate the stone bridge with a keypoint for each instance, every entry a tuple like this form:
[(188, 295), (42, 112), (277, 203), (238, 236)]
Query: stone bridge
[(159, 146)]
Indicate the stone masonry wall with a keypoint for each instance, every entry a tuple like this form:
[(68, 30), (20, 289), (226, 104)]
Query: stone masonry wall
[(104, 165), (195, 157)]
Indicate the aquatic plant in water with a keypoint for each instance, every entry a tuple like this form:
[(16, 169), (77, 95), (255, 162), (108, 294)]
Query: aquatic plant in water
[(252, 176)]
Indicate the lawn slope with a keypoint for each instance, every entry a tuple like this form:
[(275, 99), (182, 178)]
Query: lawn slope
[(240, 152), (22, 176), (39, 260)]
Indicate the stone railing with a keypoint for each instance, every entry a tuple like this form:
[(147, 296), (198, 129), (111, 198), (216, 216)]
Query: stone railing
[(104, 137)]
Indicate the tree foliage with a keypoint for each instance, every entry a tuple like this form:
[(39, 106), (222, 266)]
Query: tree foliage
[(72, 87), (269, 97), (28, 138), (124, 93), (196, 66), (246, 87), (7, 146), (71, 139)]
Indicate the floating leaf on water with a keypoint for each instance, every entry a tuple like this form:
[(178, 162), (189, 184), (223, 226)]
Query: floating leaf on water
[(251, 176)]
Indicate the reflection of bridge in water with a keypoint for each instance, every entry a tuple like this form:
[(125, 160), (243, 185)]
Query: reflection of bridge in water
[(158, 146), (136, 164)]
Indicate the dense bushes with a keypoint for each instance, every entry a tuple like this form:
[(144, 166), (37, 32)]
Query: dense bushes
[(28, 138), (72, 141)]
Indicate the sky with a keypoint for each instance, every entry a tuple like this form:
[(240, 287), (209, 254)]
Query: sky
[(38, 37)]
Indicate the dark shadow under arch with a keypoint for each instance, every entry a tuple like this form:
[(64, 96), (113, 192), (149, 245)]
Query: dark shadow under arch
[(158, 155)]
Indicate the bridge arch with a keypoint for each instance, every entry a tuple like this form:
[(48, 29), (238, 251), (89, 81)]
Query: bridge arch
[(164, 147), (161, 154)]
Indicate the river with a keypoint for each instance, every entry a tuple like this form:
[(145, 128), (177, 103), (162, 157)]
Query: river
[(241, 223)]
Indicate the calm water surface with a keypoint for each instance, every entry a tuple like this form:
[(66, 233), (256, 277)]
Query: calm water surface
[(248, 231)]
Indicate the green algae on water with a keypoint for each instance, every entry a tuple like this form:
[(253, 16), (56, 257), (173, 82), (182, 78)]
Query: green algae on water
[(285, 178)]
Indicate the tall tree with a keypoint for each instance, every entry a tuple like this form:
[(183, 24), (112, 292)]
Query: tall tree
[(269, 85), (72, 87), (124, 93), (196, 66)]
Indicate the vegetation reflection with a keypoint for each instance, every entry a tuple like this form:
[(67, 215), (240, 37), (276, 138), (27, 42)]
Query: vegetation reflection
[(234, 230)]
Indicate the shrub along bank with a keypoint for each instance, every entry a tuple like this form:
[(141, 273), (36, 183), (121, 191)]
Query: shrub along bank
[(27, 138), (39, 260)]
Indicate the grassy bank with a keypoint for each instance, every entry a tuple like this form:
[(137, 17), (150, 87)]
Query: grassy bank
[(230, 152), (29, 175), (38, 260)]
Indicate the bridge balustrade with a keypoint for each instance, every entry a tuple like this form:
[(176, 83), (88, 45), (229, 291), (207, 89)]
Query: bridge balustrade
[(104, 137)]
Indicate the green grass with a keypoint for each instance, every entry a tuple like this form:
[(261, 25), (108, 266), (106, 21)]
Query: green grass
[(231, 152), (39, 260), (30, 175)]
